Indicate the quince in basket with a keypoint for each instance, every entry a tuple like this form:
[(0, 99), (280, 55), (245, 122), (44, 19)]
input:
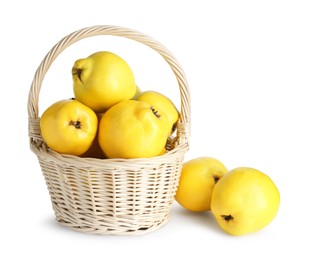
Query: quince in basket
[(69, 127), (110, 117), (133, 129), (102, 80)]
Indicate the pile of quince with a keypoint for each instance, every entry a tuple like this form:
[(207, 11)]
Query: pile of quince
[(243, 200), (109, 116)]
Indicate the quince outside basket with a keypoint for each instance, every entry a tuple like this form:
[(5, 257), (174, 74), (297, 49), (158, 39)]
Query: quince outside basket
[(111, 196)]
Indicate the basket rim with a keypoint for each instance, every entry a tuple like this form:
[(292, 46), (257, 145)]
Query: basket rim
[(50, 155)]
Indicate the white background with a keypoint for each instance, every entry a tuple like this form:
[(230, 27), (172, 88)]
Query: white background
[(248, 68)]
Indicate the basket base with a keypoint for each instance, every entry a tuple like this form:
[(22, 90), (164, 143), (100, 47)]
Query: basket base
[(110, 231)]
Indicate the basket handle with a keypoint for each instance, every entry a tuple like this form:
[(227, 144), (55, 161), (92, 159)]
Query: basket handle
[(33, 98)]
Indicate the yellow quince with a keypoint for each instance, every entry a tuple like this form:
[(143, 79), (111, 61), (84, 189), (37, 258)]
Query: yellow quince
[(102, 80), (133, 129), (69, 127)]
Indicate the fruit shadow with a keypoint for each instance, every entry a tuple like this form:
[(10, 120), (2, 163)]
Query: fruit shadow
[(203, 219)]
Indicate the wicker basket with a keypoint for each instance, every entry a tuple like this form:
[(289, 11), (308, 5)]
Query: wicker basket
[(111, 196)]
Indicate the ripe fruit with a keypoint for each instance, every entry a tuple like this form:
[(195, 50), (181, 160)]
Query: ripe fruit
[(69, 127), (133, 129), (244, 201), (197, 181), (102, 80), (164, 103)]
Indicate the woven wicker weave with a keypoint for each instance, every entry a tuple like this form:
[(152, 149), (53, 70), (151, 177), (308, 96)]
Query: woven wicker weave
[(111, 196)]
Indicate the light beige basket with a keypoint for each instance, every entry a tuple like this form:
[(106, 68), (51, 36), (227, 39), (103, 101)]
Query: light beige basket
[(111, 196)]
